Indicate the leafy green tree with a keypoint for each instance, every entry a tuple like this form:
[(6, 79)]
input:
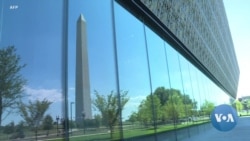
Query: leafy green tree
[(190, 105), (247, 105), (33, 112), (48, 123), (165, 97), (172, 105), (163, 94), (207, 107), (174, 109), (238, 106), (149, 109), (16, 131), (20, 130), (10, 128), (133, 117), (145, 112), (98, 120), (20, 125), (11, 81), (109, 108), (72, 124)]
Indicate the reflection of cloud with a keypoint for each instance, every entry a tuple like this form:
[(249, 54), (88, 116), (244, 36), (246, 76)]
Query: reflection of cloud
[(53, 95), (134, 102), (132, 105)]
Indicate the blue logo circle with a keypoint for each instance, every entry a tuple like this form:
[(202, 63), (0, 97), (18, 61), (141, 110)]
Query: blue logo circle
[(224, 117)]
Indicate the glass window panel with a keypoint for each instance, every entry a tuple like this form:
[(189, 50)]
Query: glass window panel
[(177, 92), (93, 102), (133, 75), (37, 37), (123, 80), (190, 102), (160, 85), (186, 101), (195, 87)]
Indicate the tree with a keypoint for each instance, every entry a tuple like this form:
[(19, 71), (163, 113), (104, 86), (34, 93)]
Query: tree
[(175, 104), (11, 81), (98, 119), (133, 117), (207, 107), (10, 128), (34, 111), (238, 106), (149, 110), (163, 94), (174, 109), (48, 123), (109, 108), (19, 130), (247, 105), (16, 131), (190, 105)]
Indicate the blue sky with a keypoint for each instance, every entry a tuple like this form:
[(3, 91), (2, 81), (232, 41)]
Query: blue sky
[(239, 21)]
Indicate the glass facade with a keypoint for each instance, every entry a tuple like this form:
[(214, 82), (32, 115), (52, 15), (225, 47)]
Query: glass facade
[(32, 68), (140, 87)]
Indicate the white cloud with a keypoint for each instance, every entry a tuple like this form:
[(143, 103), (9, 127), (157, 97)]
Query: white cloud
[(53, 95), (132, 106), (134, 102)]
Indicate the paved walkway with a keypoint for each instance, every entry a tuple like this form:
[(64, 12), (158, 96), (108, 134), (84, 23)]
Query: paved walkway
[(240, 133)]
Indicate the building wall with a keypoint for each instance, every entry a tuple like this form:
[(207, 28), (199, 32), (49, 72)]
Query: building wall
[(166, 90), (150, 75), (202, 29)]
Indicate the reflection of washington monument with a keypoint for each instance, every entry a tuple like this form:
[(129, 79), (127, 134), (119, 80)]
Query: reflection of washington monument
[(82, 86)]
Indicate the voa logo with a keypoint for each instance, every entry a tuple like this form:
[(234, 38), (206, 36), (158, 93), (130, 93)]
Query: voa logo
[(224, 117)]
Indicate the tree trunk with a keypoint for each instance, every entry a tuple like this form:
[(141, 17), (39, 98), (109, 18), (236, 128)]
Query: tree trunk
[(111, 132)]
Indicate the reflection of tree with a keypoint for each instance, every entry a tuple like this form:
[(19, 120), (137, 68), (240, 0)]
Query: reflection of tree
[(238, 105), (34, 111), (10, 128), (145, 109), (174, 108), (163, 94), (11, 81), (169, 105), (110, 109), (133, 117), (246, 104), (16, 131), (207, 107), (47, 123)]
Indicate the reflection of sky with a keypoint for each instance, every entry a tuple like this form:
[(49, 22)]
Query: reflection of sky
[(99, 42), (132, 62), (35, 29), (35, 33)]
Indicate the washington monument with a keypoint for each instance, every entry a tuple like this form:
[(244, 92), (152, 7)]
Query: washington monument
[(82, 86)]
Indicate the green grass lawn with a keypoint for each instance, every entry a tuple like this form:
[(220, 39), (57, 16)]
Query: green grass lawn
[(130, 133)]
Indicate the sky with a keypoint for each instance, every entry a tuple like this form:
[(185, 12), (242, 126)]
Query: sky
[(237, 13), (37, 35), (43, 56)]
